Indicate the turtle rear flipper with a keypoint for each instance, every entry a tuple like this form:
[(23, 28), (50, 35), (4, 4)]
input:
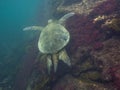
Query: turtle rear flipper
[(52, 60), (33, 28), (64, 57), (49, 64)]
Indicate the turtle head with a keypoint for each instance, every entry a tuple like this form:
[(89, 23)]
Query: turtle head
[(50, 20)]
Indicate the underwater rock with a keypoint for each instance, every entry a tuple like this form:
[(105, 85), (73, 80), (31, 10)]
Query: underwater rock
[(106, 8), (84, 33), (39, 77), (98, 46), (70, 83), (88, 31), (107, 15), (23, 74), (110, 24), (41, 63), (113, 23), (114, 71), (79, 6), (109, 56), (80, 52)]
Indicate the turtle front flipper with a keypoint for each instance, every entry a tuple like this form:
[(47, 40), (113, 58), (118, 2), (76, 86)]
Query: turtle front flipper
[(33, 28), (65, 17), (64, 57)]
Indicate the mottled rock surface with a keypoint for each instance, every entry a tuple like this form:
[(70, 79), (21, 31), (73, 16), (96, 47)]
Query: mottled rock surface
[(81, 7)]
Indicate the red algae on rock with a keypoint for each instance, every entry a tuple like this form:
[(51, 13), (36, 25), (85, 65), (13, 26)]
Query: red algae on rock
[(114, 71), (107, 7), (83, 32), (109, 56)]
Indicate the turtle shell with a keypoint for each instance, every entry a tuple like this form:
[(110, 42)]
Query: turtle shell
[(53, 38)]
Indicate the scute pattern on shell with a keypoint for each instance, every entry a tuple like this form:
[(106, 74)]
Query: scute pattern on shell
[(53, 38)]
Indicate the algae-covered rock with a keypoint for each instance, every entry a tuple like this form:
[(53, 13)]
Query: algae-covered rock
[(108, 57), (113, 23), (79, 6), (70, 83)]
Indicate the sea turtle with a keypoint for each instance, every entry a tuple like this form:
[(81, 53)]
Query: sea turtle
[(53, 38)]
